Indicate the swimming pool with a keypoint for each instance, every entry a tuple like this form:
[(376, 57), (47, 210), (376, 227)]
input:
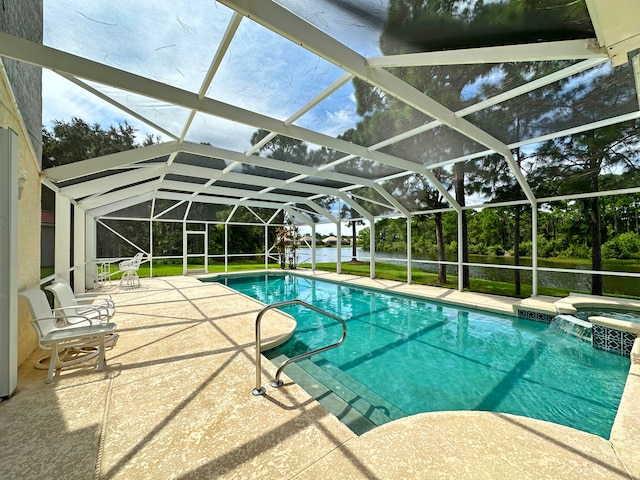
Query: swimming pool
[(405, 355)]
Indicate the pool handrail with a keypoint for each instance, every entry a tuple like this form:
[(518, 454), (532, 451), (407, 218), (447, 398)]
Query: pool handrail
[(260, 390)]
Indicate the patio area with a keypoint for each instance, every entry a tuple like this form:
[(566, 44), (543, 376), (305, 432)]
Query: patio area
[(175, 402)]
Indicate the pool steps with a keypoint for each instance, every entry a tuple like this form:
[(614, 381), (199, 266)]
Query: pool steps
[(343, 397)]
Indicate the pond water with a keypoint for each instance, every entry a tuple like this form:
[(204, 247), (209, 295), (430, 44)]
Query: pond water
[(579, 282)]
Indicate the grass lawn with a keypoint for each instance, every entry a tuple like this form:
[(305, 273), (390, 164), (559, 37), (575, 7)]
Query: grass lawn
[(399, 273), (161, 269), (383, 270)]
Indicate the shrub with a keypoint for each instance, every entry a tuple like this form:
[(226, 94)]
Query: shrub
[(526, 248), (576, 251), (624, 246)]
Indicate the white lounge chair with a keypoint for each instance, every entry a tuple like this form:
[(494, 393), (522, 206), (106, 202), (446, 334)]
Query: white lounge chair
[(99, 308), (72, 339)]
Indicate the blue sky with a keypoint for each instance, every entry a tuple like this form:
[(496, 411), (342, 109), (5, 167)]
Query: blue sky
[(174, 42)]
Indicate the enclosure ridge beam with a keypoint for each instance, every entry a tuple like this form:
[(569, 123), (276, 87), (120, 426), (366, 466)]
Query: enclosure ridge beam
[(216, 200), (243, 178), (208, 150), (530, 52), (227, 191)]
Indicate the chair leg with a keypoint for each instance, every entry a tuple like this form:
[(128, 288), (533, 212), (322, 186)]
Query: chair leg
[(53, 361), (101, 354)]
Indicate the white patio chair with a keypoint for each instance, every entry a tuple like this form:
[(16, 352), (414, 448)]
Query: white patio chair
[(129, 269), (100, 308), (72, 339)]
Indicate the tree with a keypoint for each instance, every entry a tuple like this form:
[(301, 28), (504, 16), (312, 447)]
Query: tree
[(580, 159), (347, 212), (433, 199), (77, 140)]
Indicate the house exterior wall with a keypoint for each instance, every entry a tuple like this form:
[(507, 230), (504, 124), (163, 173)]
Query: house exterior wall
[(21, 111)]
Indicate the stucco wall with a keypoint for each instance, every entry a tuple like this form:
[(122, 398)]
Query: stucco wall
[(21, 84), (28, 221)]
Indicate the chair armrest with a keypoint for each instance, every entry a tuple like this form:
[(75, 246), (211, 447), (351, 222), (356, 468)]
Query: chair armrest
[(89, 301), (92, 313), (101, 296), (62, 322)]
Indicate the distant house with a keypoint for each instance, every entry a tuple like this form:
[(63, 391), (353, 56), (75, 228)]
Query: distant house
[(330, 240), (306, 240), (333, 240)]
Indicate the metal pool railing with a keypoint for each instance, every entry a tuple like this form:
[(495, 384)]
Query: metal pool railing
[(259, 390)]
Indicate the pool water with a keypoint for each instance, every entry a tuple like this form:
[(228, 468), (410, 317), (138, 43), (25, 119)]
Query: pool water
[(618, 314), (406, 355)]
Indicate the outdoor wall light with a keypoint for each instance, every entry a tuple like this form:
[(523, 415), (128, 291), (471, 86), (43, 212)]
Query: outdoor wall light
[(22, 181)]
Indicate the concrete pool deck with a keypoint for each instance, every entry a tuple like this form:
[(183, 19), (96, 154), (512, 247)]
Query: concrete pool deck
[(175, 402)]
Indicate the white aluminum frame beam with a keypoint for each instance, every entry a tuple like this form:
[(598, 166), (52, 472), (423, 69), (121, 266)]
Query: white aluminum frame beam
[(228, 192), (120, 204), (109, 162), (118, 195), (117, 104), (216, 200), (62, 237), (229, 33), (99, 186), (46, 57), (530, 52)]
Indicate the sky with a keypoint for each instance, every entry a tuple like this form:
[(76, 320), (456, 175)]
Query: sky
[(174, 42)]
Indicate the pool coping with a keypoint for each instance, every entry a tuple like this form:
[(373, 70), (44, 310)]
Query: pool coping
[(629, 408), (575, 301), (477, 301)]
